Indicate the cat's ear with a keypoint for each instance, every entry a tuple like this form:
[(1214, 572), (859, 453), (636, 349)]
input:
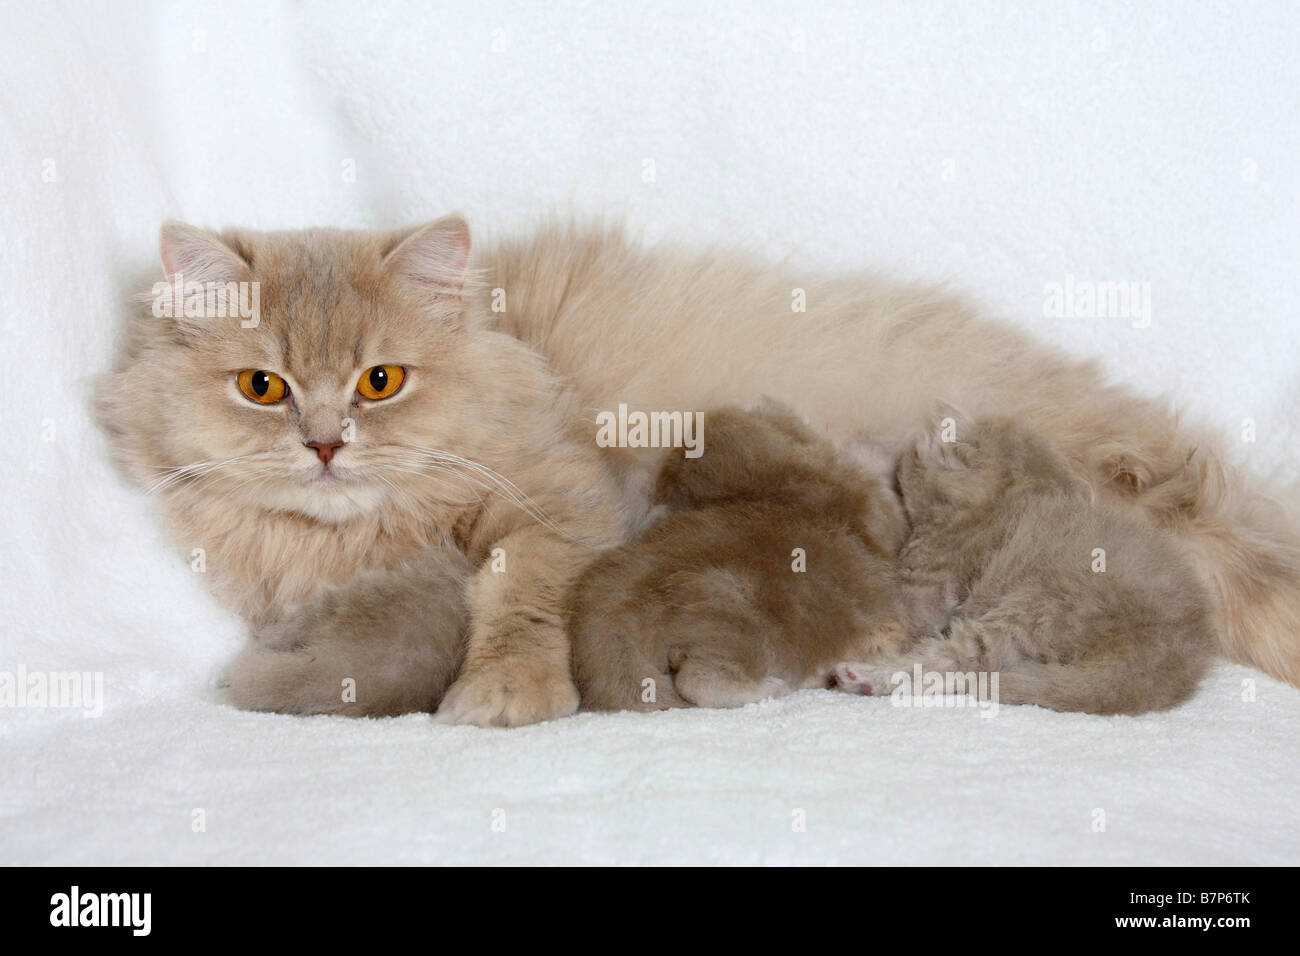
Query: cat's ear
[(432, 262), (193, 255), (196, 262)]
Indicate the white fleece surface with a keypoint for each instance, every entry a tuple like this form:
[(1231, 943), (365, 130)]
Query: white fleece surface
[(997, 146)]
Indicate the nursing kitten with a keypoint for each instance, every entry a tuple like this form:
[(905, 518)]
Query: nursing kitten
[(776, 562), (670, 328), (487, 441), (328, 656), (1076, 605)]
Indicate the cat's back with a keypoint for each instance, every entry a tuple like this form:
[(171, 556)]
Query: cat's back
[(669, 327)]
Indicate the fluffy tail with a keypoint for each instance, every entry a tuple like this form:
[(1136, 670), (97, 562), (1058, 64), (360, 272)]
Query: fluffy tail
[(1247, 549), (1244, 543)]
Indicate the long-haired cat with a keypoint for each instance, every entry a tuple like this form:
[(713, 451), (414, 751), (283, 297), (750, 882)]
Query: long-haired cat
[(323, 452), (1075, 605), (776, 562), (512, 350)]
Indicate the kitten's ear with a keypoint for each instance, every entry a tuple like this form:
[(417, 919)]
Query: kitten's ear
[(432, 261), (197, 256), (958, 425), (785, 419), (949, 436)]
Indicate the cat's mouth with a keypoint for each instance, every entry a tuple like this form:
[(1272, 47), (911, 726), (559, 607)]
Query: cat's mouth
[(325, 475), (326, 493), (328, 475)]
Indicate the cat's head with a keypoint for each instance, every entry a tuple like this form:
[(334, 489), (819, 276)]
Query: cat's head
[(957, 462), (315, 372)]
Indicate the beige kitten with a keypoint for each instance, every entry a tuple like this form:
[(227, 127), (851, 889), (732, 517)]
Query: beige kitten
[(1076, 605), (776, 563), (514, 349)]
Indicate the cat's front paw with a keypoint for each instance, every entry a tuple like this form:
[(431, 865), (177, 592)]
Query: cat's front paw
[(501, 696)]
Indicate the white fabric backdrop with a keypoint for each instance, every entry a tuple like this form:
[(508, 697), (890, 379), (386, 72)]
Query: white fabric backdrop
[(997, 145)]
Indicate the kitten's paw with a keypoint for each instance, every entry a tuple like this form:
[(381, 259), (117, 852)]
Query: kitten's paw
[(289, 632), (283, 682), (301, 625), (499, 696), (709, 684), (857, 679)]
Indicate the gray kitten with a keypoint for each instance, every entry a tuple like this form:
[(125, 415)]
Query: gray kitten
[(776, 561), (345, 652), (1012, 567)]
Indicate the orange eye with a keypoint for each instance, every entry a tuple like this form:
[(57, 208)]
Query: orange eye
[(382, 381), (265, 388)]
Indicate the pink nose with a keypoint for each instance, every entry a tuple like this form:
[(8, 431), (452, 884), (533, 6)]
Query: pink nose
[(324, 449)]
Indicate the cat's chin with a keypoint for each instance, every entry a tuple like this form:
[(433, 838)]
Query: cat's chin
[(334, 503)]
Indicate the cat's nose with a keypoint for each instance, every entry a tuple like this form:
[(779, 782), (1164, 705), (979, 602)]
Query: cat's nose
[(324, 449)]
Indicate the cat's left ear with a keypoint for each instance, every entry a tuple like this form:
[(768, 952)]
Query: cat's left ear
[(192, 255), (433, 261)]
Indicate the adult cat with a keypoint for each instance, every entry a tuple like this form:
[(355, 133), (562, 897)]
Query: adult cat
[(505, 357)]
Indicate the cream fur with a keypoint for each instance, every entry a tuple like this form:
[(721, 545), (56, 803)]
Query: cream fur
[(591, 320), (675, 329)]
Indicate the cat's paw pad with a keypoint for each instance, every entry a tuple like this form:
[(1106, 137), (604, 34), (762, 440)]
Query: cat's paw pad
[(502, 697), (854, 679)]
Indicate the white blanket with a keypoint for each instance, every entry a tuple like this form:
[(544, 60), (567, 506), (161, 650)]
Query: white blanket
[(1002, 148)]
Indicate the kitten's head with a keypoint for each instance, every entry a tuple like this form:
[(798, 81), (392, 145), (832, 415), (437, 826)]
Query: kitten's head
[(770, 455), (747, 454), (309, 372), (959, 463)]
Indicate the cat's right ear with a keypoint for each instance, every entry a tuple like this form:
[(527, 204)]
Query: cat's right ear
[(432, 262), (197, 256)]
